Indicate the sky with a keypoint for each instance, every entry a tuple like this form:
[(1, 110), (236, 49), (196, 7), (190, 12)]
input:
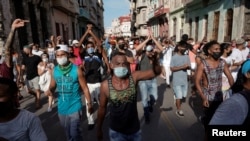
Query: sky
[(114, 9)]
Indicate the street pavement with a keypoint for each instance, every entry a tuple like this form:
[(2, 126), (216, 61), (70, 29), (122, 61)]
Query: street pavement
[(165, 125)]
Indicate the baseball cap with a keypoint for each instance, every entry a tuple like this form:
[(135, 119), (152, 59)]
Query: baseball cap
[(240, 41), (246, 67), (75, 42), (62, 48)]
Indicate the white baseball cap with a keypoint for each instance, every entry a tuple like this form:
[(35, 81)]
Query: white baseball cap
[(75, 42), (61, 47)]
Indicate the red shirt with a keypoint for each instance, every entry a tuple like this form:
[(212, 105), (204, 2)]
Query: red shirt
[(6, 72), (76, 51)]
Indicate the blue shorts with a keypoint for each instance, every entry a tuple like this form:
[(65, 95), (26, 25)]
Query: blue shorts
[(180, 91)]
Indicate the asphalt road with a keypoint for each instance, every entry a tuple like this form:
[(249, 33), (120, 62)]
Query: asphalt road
[(165, 125)]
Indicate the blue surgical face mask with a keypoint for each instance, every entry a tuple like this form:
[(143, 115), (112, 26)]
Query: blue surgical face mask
[(90, 50), (120, 71)]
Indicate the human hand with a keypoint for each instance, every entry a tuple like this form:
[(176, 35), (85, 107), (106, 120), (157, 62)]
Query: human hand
[(18, 23), (205, 103), (90, 108), (58, 38), (89, 26), (52, 38)]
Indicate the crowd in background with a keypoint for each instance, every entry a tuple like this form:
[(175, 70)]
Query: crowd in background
[(95, 66)]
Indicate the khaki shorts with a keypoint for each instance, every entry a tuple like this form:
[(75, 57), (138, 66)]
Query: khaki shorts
[(33, 83)]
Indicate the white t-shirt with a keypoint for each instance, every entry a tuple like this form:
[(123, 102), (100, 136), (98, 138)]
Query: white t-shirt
[(25, 127), (245, 53), (38, 53), (167, 55), (236, 55)]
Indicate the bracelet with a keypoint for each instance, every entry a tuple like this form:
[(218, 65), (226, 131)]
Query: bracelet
[(88, 103)]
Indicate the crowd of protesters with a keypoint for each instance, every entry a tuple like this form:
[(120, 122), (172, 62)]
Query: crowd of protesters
[(107, 72)]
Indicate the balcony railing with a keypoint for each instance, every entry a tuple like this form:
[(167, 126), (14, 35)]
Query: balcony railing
[(69, 6)]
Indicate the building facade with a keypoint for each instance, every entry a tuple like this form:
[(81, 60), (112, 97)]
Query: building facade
[(216, 20), (120, 26), (67, 18), (221, 20)]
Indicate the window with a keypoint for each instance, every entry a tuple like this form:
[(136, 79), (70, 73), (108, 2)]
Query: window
[(216, 25), (205, 25), (190, 27), (196, 28), (58, 29), (174, 26), (228, 25)]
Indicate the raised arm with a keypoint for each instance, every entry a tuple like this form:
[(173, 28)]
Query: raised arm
[(8, 45), (148, 74), (83, 37), (141, 45), (158, 45)]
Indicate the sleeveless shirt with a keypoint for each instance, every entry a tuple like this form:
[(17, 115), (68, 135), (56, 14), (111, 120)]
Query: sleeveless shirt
[(123, 108)]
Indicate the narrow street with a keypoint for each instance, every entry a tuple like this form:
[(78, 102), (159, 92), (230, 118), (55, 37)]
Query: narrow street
[(165, 125)]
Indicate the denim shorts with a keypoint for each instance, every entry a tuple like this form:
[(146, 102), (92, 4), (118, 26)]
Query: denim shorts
[(117, 136), (180, 91)]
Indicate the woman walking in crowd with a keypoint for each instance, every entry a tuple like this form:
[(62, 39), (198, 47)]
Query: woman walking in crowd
[(44, 69)]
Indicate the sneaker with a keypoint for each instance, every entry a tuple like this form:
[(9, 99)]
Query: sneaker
[(183, 100), (179, 113), (49, 109)]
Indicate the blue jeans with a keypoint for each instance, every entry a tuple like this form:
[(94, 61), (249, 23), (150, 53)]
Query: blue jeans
[(117, 136), (71, 124), (180, 91), (147, 88)]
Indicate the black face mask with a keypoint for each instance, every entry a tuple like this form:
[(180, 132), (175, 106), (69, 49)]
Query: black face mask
[(216, 55), (5, 108), (229, 53), (122, 46)]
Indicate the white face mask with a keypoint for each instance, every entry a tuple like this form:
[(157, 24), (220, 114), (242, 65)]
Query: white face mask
[(131, 46), (45, 59), (62, 61)]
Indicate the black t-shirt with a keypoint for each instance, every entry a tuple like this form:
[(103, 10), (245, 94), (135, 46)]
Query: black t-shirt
[(31, 63), (92, 65)]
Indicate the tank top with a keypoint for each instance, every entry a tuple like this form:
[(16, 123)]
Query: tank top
[(214, 78), (123, 108), (68, 88)]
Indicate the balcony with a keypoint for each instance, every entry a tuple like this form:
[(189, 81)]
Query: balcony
[(83, 13), (67, 6)]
